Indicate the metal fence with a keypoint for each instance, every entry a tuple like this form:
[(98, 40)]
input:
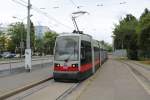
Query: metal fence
[(17, 66), (120, 53)]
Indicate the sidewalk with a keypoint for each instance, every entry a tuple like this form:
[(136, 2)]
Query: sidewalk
[(114, 81), (17, 81)]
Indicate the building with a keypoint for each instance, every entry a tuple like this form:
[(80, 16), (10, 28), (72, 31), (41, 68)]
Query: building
[(4, 29), (40, 30)]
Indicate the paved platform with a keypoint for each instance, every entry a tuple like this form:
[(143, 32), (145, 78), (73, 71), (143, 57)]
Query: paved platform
[(13, 65), (114, 81), (13, 82)]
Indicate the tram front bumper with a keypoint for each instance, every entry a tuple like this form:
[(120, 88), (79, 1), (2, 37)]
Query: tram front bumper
[(66, 75)]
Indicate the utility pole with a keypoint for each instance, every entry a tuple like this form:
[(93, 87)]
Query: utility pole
[(28, 26), (28, 64)]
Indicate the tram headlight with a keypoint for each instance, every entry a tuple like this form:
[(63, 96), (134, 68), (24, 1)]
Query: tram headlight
[(57, 65), (74, 65)]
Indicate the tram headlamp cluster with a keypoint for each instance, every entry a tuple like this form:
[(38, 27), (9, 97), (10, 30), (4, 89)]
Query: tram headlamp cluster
[(74, 65), (57, 65)]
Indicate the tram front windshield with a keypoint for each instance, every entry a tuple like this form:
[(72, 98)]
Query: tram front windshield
[(67, 48)]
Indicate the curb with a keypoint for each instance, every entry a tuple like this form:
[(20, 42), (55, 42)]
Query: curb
[(11, 93)]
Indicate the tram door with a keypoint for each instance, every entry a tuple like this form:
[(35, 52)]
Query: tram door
[(86, 56)]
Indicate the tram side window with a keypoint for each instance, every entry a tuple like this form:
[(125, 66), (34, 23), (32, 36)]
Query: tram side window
[(96, 53), (86, 53)]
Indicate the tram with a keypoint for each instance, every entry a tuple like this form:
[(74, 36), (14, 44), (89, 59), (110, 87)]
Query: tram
[(77, 56)]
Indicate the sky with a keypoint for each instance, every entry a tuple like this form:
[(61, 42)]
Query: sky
[(56, 14)]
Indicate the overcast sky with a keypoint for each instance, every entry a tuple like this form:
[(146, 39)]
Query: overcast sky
[(99, 23)]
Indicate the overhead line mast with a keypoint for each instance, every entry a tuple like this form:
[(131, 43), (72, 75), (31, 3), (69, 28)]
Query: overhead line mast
[(28, 59)]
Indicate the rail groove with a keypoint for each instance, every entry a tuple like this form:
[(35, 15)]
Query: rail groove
[(143, 80), (68, 91), (14, 92)]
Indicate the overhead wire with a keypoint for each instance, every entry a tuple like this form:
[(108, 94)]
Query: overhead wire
[(42, 12), (19, 3), (23, 1), (73, 3), (50, 17)]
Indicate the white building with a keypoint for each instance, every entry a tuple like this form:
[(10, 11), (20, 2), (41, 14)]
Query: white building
[(4, 29), (40, 30)]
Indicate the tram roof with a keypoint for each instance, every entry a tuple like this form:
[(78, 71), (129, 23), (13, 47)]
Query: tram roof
[(73, 34)]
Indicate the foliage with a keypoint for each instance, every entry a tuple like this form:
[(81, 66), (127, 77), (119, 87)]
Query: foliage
[(125, 35), (32, 34), (16, 32), (39, 46), (46, 44), (144, 34), (133, 35), (49, 42), (107, 46), (2, 41)]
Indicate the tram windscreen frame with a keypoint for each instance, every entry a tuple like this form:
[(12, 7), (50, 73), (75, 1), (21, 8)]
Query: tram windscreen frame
[(67, 48)]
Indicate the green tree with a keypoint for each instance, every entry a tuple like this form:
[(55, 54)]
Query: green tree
[(32, 34), (16, 32), (39, 46), (2, 41), (107, 46), (143, 31), (49, 42), (126, 36)]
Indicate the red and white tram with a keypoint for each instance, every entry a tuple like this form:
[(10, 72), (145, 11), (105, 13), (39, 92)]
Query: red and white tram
[(77, 56)]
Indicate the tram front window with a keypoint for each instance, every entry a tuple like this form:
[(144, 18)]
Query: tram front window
[(67, 48)]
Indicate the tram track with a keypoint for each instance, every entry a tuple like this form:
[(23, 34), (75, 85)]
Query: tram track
[(26, 93), (22, 89), (68, 91), (51, 86), (138, 75), (140, 65)]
